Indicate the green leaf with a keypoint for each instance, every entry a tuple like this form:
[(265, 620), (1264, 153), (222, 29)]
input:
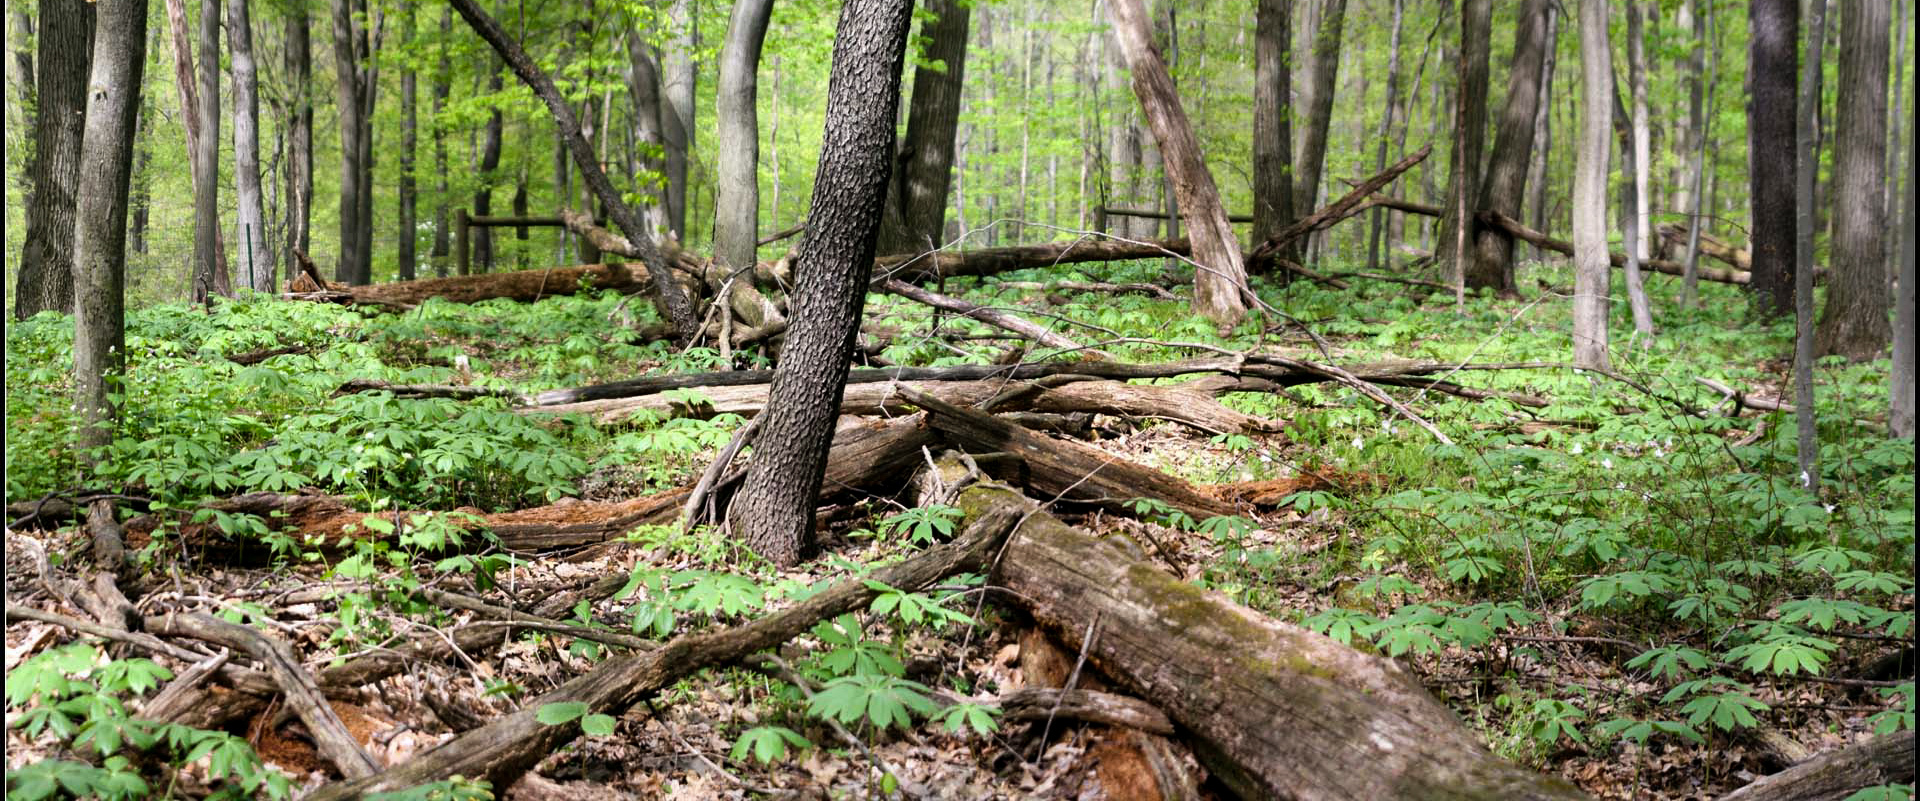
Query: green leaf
[(597, 725), (562, 712)]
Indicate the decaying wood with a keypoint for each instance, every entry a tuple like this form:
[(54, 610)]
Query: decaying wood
[(1088, 705), (509, 746), (1739, 258), (744, 299), (990, 316), (522, 285), (1063, 469), (1832, 776), (1155, 290), (1278, 711), (1537, 239), (297, 687), (1348, 205), (921, 268)]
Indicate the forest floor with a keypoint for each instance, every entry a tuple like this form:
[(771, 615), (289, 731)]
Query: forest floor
[(1625, 587)]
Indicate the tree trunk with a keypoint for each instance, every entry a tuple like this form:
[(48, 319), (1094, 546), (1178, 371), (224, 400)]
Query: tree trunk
[(100, 215), (1900, 414), (140, 200), (19, 34), (1279, 712), (300, 138), (774, 511), (1506, 175), (489, 165), (1377, 220), (1773, 27), (405, 254), (677, 124), (1470, 120), (1593, 278), (647, 113), (1540, 170), (1273, 121), (347, 104), (1323, 68), (1642, 131), (736, 222), (46, 279), (1699, 98), (250, 235), (925, 166), (1835, 775), (442, 87), (1220, 279), (1855, 322), (1806, 169), (209, 263), (1630, 219)]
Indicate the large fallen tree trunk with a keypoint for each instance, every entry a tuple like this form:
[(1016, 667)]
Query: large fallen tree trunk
[(1276, 710), (1838, 774), (1519, 231), (524, 285), (507, 747), (1675, 237)]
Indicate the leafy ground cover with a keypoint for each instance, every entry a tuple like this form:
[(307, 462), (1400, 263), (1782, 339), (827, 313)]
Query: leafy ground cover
[(1628, 587)]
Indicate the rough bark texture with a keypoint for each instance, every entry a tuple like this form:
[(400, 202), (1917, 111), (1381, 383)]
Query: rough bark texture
[(1278, 711), (1900, 411), (774, 511), (918, 201), (489, 165), (1219, 279), (1377, 220), (678, 307), (736, 222), (1838, 774), (647, 112), (100, 214), (405, 251), (1506, 174), (442, 88), (1470, 134), (210, 275), (255, 263), (349, 100), (1854, 324), (678, 122), (1772, 62), (1323, 67), (1272, 122), (1593, 280), (1806, 171), (46, 267), (299, 171)]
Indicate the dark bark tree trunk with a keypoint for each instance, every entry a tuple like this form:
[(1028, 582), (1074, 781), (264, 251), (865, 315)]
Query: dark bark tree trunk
[(1855, 322), (774, 510), (918, 201), (210, 275), (678, 308), (442, 87), (736, 222), (256, 258), (680, 81), (100, 227), (489, 164), (1806, 171), (1592, 277), (1376, 221), (1272, 121), (1540, 171), (140, 197), (405, 239), (1323, 67), (1642, 133), (1699, 94), (1491, 265), (299, 169), (349, 101), (1220, 279), (1470, 127), (1772, 62), (46, 279)]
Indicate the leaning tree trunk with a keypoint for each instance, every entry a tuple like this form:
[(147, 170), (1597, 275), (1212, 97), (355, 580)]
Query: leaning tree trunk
[(1323, 67), (933, 118), (1506, 175), (66, 45), (405, 252), (736, 222), (1272, 122), (679, 310), (299, 170), (1773, 27), (1219, 279), (1593, 277), (774, 510), (100, 215), (256, 258), (1855, 322)]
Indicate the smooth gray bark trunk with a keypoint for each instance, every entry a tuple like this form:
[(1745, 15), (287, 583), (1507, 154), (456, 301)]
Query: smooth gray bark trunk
[(255, 262), (1376, 220), (1593, 274), (773, 512), (46, 276), (1540, 169), (100, 227), (646, 115), (1323, 68), (210, 275), (736, 221), (1900, 404), (1806, 122), (1854, 324), (681, 80), (299, 170)]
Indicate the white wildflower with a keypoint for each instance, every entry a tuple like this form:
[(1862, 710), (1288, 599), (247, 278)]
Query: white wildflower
[(1358, 443), (1606, 463), (1578, 449)]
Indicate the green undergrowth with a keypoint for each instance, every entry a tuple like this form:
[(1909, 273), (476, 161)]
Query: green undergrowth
[(1685, 550)]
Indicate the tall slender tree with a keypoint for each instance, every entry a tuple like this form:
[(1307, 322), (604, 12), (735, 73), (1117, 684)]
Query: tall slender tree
[(680, 82), (1272, 120), (1900, 400), (250, 234), (210, 274), (1805, 170), (351, 95), (1323, 68), (442, 89), (407, 235), (1855, 322), (1593, 274), (1491, 264), (1642, 131), (65, 47), (646, 114), (773, 512), (736, 222), (1376, 220), (917, 204), (1470, 136), (489, 169), (299, 170), (1772, 27)]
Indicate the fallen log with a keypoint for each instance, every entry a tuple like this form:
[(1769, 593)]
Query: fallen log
[(934, 266), (1348, 205), (507, 747), (1838, 774), (1088, 705), (524, 285), (1277, 711), (743, 298), (991, 316), (1065, 470), (1537, 239)]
